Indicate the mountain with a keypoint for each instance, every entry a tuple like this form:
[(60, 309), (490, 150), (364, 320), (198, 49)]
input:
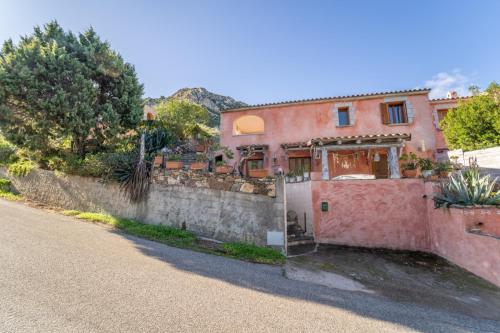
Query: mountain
[(214, 103)]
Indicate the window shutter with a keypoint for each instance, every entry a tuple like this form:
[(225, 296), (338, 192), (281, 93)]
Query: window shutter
[(336, 116), (352, 116), (405, 113), (384, 110)]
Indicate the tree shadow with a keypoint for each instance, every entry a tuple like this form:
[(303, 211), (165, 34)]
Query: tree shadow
[(271, 280)]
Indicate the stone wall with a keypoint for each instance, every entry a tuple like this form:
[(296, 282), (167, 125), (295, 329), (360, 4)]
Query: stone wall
[(213, 213)]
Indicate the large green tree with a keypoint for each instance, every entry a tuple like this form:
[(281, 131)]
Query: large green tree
[(475, 123), (182, 117), (57, 87)]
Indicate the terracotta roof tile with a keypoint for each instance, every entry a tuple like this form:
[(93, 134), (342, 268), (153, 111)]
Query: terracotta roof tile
[(396, 92)]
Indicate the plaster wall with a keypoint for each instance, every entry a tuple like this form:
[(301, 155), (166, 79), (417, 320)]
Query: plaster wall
[(302, 122), (387, 213)]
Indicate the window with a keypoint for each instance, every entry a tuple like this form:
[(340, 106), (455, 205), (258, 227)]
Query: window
[(248, 125), (299, 163), (343, 114), (441, 114), (255, 164), (394, 113)]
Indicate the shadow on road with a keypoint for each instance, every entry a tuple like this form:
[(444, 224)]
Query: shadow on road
[(270, 280)]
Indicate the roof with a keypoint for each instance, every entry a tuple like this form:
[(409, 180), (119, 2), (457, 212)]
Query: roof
[(449, 99), (350, 139), (327, 99)]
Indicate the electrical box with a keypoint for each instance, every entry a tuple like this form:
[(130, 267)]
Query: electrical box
[(324, 206)]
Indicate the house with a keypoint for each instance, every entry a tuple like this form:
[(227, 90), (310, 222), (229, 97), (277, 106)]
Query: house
[(334, 136)]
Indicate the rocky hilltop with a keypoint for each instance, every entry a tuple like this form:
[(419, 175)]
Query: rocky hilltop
[(213, 102)]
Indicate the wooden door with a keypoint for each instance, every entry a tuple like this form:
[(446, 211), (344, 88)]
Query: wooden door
[(381, 168)]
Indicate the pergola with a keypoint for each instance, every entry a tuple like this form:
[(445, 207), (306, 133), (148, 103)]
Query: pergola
[(391, 142)]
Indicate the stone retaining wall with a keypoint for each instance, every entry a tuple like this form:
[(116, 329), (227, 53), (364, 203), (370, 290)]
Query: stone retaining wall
[(208, 212)]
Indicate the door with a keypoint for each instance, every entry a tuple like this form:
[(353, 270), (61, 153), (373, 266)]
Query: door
[(381, 168)]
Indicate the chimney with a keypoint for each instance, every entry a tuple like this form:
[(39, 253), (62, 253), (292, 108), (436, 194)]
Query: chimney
[(452, 94)]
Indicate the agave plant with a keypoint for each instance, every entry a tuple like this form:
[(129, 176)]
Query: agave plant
[(467, 188)]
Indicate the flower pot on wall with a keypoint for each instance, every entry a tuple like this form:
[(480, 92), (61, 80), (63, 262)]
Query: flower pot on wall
[(410, 173), (300, 178), (200, 148), (444, 174), (257, 173), (224, 169), (198, 166), (427, 173), (174, 165)]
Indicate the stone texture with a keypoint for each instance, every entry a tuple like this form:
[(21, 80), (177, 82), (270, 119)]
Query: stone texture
[(217, 214), (247, 188)]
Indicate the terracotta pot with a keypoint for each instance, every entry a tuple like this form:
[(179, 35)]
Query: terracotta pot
[(200, 148), (444, 174), (257, 173), (224, 169), (410, 173), (198, 166), (174, 165), (158, 160)]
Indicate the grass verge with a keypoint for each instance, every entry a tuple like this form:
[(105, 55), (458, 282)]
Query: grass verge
[(158, 233), (10, 196), (253, 253), (5, 191), (184, 239)]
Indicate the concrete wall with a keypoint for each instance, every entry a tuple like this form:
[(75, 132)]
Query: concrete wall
[(387, 213), (488, 159), (298, 199), (221, 215)]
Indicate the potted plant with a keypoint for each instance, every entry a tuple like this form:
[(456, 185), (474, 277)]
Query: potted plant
[(174, 162), (257, 173), (409, 165), (291, 176), (299, 174), (200, 163), (443, 169), (287, 177), (222, 166), (307, 173), (426, 167)]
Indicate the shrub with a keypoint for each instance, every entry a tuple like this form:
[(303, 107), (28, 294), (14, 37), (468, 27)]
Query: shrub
[(4, 185), (21, 168), (7, 151), (410, 161), (425, 164), (467, 188)]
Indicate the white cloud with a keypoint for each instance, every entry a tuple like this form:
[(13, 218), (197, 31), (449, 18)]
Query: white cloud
[(443, 82)]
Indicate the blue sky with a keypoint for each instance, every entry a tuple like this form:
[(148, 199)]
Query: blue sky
[(264, 51)]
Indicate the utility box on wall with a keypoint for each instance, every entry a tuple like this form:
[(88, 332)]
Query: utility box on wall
[(324, 206)]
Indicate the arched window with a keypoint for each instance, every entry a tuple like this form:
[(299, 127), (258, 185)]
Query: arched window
[(248, 125), (150, 116)]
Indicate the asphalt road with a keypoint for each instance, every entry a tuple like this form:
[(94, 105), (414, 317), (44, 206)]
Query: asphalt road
[(58, 274)]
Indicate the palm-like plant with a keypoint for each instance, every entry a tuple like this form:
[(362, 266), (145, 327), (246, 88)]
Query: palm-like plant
[(467, 188)]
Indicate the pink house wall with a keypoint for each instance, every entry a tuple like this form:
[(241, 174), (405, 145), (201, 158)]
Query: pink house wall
[(387, 213), (300, 122), (394, 214)]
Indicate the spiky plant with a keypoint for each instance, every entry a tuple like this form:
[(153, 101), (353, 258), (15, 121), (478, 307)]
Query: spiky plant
[(467, 188)]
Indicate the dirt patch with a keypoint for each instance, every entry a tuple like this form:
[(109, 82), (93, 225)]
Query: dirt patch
[(409, 277)]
